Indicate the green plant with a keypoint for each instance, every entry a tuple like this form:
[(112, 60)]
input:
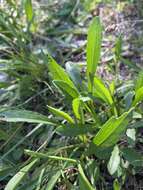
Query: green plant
[(99, 120), (26, 71)]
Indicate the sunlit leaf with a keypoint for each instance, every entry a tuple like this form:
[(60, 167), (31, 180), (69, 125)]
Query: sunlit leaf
[(138, 96), (131, 133), (76, 107), (60, 113), (108, 132), (93, 49), (116, 185), (112, 88), (28, 10), (101, 91), (114, 161), (139, 81)]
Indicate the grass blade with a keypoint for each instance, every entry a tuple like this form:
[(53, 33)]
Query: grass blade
[(53, 181), (42, 155), (16, 180)]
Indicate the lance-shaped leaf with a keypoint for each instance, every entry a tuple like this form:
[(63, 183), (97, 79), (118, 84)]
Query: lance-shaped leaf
[(77, 103), (75, 107), (75, 130), (93, 49), (83, 181), (51, 183), (118, 48), (28, 10), (114, 161), (66, 88), (60, 113), (58, 73), (24, 116), (138, 96), (101, 91), (43, 156), (108, 134), (139, 81), (134, 157), (16, 180)]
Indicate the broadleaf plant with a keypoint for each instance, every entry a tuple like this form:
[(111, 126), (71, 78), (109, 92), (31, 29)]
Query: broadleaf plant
[(93, 122)]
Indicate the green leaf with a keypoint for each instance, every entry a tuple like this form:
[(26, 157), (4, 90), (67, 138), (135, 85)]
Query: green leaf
[(112, 88), (116, 135), (65, 87), (110, 130), (116, 185), (80, 103), (42, 155), (129, 99), (118, 48), (74, 130), (138, 96), (83, 181), (134, 158), (5, 171), (60, 113), (58, 72), (114, 161), (39, 182), (131, 133), (75, 107), (53, 181), (137, 124), (93, 171), (139, 81), (24, 116), (28, 10), (93, 49), (99, 152), (16, 180), (101, 91), (3, 135), (74, 73)]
